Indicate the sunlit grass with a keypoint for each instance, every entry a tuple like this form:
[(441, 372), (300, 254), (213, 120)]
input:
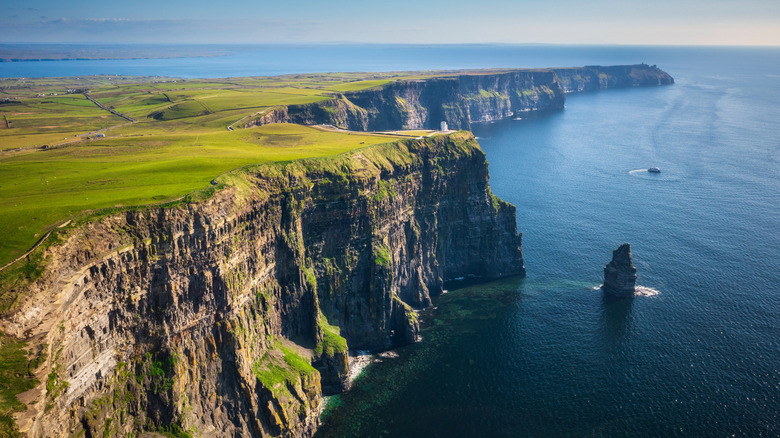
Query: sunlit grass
[(39, 188), (179, 143)]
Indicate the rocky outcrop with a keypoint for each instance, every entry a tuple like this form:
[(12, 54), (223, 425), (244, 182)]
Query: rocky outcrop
[(620, 274), (228, 316), (591, 78), (461, 99)]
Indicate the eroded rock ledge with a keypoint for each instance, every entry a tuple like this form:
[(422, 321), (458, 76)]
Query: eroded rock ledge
[(228, 317)]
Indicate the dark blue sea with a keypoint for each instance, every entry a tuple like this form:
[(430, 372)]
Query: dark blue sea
[(696, 354)]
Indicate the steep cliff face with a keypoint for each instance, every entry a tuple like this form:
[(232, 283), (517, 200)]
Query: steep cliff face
[(228, 317), (593, 78), (423, 104), (462, 99), (620, 273)]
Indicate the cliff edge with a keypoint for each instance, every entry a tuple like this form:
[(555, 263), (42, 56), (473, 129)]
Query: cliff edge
[(231, 316), (461, 99), (592, 78)]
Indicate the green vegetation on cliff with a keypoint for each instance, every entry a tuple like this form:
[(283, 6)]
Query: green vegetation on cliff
[(15, 377), (332, 342), (282, 369), (382, 255)]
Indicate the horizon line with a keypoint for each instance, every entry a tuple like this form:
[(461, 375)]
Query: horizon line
[(332, 43)]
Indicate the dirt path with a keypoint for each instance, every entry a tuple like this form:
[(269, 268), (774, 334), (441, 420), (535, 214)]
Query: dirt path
[(74, 139), (230, 126), (331, 128), (116, 113)]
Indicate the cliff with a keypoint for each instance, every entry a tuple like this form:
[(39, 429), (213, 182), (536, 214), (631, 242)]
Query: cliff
[(423, 104), (462, 99), (593, 78), (229, 316)]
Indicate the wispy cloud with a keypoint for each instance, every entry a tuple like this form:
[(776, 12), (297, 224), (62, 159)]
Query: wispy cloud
[(567, 27)]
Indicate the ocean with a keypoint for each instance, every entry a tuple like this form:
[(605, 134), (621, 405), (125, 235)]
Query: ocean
[(697, 354)]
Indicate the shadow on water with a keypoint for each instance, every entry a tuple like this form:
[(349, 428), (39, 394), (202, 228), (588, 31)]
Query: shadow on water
[(498, 128), (386, 397), (615, 320)]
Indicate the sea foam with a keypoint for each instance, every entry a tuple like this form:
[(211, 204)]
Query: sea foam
[(640, 291)]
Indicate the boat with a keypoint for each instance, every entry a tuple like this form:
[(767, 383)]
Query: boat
[(654, 170)]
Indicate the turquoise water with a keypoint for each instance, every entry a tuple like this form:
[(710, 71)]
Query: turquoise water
[(550, 355)]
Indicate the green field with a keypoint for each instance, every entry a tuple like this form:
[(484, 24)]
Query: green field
[(53, 167), (62, 155), (41, 188), (52, 111)]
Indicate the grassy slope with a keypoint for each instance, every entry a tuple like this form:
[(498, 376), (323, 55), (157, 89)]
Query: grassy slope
[(15, 378), (54, 119), (179, 144), (50, 119), (39, 188)]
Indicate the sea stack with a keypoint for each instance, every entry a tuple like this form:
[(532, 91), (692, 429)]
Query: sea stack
[(620, 273)]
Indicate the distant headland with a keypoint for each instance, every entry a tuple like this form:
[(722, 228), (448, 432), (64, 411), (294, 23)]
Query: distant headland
[(100, 52)]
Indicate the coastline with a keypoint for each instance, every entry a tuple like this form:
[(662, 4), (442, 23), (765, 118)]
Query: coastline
[(108, 58)]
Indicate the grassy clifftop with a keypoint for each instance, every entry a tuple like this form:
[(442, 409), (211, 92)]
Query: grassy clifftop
[(75, 190), (42, 188), (60, 154)]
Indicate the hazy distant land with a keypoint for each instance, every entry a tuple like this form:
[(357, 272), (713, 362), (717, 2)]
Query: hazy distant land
[(71, 52)]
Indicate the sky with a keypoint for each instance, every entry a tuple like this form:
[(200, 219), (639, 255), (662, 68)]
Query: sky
[(647, 22)]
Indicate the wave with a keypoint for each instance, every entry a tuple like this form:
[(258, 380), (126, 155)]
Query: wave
[(358, 363), (644, 291), (640, 291)]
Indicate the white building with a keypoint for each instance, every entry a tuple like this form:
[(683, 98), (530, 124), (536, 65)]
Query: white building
[(444, 126)]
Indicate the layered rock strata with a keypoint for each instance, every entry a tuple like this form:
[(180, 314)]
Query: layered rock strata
[(620, 273), (461, 99), (228, 317), (415, 104), (592, 78)]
